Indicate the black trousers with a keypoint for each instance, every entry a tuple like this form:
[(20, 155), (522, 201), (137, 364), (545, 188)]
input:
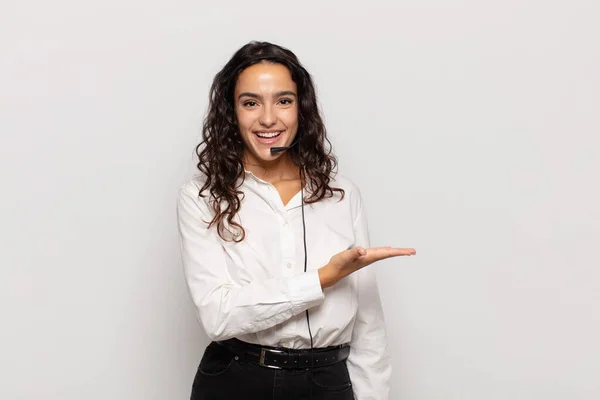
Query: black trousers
[(222, 376)]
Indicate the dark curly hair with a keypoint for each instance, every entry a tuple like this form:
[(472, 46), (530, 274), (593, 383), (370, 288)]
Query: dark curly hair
[(220, 152)]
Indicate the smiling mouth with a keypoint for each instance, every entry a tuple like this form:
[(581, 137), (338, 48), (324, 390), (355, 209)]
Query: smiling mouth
[(268, 135)]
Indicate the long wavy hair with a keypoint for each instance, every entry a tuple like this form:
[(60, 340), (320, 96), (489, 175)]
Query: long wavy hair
[(221, 149)]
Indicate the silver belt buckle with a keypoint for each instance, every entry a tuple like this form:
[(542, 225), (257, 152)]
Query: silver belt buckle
[(261, 361)]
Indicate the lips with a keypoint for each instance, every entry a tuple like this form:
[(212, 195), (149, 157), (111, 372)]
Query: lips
[(268, 137), (270, 134)]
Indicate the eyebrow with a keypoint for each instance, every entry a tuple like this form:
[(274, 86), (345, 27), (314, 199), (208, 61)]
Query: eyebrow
[(258, 96)]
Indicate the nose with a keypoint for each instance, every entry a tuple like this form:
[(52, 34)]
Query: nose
[(267, 116)]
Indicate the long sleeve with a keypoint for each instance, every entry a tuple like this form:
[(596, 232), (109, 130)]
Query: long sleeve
[(368, 364), (225, 309)]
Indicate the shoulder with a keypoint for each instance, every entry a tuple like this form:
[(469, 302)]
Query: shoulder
[(352, 191), (352, 201), (193, 185), (189, 195)]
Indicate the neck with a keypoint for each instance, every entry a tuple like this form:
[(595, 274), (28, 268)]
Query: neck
[(282, 168)]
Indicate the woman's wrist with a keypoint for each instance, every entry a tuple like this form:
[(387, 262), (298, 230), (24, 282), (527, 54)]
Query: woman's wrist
[(326, 276)]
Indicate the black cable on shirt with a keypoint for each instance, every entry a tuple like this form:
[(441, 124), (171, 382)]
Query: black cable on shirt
[(305, 251)]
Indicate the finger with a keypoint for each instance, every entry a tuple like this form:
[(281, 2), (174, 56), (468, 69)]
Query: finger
[(400, 252), (403, 251), (381, 253), (395, 250)]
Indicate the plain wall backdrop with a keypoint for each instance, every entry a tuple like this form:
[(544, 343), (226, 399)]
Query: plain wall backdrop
[(471, 127)]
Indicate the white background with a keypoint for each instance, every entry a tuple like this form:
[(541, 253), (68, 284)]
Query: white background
[(471, 127)]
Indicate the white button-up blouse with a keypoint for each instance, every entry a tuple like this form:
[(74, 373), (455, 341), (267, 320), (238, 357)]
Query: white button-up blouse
[(257, 290)]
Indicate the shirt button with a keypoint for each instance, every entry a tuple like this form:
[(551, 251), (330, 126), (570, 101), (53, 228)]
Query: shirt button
[(289, 265)]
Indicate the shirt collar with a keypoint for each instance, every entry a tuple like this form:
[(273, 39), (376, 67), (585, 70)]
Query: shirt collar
[(296, 201)]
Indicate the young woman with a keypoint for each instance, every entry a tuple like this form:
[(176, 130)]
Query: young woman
[(274, 245)]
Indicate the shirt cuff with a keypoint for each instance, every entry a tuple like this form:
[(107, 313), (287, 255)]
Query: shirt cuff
[(305, 290)]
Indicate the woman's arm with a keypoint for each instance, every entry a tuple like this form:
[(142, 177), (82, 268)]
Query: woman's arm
[(224, 309), (368, 364)]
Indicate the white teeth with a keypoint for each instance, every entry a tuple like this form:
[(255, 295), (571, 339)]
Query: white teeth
[(268, 134)]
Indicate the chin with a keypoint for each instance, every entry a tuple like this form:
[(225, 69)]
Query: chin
[(263, 154)]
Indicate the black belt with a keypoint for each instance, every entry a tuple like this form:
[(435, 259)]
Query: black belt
[(282, 358)]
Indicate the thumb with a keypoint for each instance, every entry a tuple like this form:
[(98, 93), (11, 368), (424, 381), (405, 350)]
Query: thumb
[(351, 254), (359, 252)]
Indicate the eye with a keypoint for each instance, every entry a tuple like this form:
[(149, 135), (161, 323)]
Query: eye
[(249, 104), (286, 102)]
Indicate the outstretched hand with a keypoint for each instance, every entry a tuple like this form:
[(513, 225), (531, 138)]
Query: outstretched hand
[(348, 261)]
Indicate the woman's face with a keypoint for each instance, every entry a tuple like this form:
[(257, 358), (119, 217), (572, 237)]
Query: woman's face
[(266, 107)]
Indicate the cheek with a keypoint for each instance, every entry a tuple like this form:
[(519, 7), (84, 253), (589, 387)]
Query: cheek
[(290, 118), (244, 121)]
